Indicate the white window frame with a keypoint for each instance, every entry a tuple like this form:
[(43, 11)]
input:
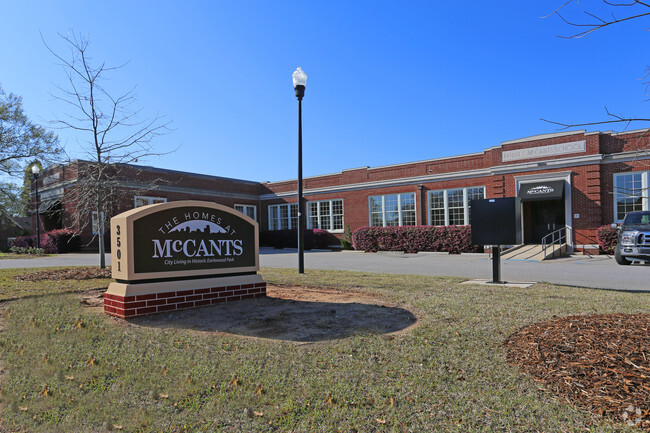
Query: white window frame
[(245, 207), (645, 191), (400, 211), (149, 200), (446, 203), (290, 216), (331, 215), (94, 224)]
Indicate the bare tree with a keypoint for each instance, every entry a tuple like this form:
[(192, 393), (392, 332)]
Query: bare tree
[(615, 13), (631, 10), (110, 130)]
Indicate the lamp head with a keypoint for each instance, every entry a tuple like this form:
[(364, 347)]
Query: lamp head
[(36, 170), (299, 80)]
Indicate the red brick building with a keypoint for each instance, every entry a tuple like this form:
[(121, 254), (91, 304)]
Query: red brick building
[(579, 180)]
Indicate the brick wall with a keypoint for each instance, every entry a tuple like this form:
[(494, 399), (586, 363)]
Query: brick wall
[(591, 194), (150, 303)]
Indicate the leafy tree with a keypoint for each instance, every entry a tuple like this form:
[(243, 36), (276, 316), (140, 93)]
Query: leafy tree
[(109, 129), (21, 141), (25, 193)]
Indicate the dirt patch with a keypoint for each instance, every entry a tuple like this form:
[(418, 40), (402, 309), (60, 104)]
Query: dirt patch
[(599, 362), (287, 312), (292, 314)]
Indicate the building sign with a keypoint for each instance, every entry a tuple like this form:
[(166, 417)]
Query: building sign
[(182, 239), (52, 178), (553, 190), (544, 151)]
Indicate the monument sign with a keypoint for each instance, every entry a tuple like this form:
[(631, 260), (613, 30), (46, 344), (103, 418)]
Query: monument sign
[(182, 254)]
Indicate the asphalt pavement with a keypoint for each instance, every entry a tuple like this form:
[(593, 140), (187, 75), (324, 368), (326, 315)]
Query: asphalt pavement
[(576, 270), (600, 272)]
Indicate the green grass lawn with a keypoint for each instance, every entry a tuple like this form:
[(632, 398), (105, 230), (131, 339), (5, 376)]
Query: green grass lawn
[(4, 256), (69, 368)]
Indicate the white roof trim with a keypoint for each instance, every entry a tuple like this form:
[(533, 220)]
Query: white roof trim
[(544, 136)]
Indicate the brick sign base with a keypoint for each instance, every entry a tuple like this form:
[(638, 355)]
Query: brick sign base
[(131, 300)]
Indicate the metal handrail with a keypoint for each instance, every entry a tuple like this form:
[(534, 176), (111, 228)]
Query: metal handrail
[(558, 237)]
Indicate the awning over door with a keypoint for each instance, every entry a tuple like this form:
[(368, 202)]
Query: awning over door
[(553, 190), (49, 205)]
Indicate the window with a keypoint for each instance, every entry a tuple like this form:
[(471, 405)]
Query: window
[(437, 208), (95, 223), (144, 201), (283, 216), (630, 193), (326, 215), (248, 210), (475, 193), (451, 206), (392, 210), (456, 207)]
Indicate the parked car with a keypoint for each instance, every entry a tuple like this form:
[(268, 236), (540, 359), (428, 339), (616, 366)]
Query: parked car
[(633, 238)]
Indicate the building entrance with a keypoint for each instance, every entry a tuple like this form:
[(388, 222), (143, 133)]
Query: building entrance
[(543, 209), (541, 218)]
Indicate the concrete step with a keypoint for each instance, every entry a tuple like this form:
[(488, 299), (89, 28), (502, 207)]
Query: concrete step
[(533, 253)]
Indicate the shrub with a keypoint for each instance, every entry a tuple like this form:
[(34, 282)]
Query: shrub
[(53, 242), (65, 240), (27, 242), (607, 239), (346, 242), (27, 250), (411, 239), (321, 238), (24, 242)]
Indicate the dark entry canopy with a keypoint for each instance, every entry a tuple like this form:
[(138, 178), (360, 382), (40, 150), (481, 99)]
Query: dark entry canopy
[(553, 190), (49, 205)]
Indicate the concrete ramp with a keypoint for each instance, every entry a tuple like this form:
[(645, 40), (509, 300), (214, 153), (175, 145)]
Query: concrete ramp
[(534, 253)]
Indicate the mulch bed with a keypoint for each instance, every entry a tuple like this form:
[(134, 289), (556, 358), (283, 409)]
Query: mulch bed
[(67, 274), (600, 362)]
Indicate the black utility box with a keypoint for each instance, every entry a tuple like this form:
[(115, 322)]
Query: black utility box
[(496, 221)]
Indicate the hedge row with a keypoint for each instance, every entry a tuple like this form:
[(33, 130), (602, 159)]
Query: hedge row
[(313, 239), (607, 239), (53, 242), (411, 239)]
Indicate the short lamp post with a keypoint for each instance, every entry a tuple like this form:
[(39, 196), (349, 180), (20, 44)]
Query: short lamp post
[(299, 81), (35, 172)]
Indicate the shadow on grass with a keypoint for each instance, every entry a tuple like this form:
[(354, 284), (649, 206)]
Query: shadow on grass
[(286, 319)]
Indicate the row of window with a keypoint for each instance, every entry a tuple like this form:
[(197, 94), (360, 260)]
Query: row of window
[(324, 214), (446, 207)]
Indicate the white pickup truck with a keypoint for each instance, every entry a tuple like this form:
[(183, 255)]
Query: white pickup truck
[(633, 238)]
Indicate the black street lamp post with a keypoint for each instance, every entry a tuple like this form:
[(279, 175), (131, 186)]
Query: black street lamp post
[(35, 172), (299, 81)]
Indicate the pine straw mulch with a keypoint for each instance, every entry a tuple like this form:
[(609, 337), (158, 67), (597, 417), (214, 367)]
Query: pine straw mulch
[(600, 362), (84, 273)]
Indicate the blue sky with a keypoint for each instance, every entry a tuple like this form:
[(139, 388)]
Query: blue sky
[(388, 81)]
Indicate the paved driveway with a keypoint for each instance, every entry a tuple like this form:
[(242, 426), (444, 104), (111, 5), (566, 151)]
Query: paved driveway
[(585, 271)]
